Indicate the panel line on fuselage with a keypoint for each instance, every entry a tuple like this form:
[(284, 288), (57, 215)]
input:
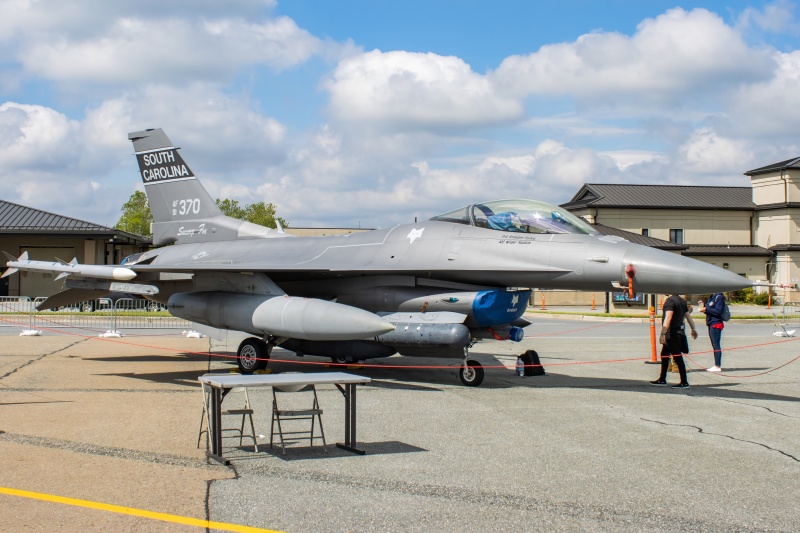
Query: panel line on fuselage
[(323, 252)]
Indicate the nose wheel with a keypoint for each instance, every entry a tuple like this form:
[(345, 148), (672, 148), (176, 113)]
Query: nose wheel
[(471, 372)]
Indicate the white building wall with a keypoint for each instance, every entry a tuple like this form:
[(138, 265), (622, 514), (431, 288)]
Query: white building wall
[(699, 226)]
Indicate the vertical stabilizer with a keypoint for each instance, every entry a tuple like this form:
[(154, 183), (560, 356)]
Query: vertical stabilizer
[(183, 211)]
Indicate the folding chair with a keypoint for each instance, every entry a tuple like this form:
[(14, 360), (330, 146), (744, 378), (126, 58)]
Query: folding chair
[(246, 413), (292, 415)]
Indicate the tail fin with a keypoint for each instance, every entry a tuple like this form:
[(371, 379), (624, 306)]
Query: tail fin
[(183, 211)]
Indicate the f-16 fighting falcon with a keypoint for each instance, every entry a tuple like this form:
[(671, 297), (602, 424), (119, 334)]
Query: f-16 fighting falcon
[(425, 289)]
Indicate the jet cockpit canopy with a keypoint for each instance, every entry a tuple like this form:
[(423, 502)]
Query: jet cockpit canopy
[(517, 215)]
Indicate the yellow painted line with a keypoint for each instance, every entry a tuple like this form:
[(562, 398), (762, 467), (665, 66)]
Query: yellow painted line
[(135, 512)]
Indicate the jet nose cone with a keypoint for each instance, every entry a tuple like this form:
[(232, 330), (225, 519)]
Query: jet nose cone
[(658, 271)]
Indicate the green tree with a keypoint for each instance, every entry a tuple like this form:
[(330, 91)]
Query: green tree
[(231, 208), (136, 216), (257, 213)]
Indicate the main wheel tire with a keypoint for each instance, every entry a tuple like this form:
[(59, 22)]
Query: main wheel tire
[(251, 355), (472, 374), (343, 360)]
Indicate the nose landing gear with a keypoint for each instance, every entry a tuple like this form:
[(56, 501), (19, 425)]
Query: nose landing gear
[(471, 372)]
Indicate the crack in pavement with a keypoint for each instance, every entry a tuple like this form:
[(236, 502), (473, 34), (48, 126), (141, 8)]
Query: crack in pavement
[(758, 407), (36, 359), (704, 432), (109, 451)]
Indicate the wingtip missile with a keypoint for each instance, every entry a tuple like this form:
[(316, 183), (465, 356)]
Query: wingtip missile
[(66, 269)]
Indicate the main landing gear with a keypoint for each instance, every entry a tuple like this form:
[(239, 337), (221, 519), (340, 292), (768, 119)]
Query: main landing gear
[(471, 372), (252, 355)]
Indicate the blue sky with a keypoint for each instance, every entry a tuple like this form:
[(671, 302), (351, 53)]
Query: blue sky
[(372, 113)]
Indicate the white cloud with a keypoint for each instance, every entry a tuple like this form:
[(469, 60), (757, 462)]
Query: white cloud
[(43, 164), (625, 159), (79, 19), (222, 131), (405, 90), (123, 43), (769, 110), (580, 126), (34, 136), (707, 153), (678, 54), (568, 169), (134, 49), (777, 17)]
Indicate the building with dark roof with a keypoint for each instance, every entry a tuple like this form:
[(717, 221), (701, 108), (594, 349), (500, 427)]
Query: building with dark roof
[(49, 237), (770, 169), (662, 197)]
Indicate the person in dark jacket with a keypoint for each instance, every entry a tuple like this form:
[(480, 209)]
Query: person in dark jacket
[(673, 338), (713, 311)]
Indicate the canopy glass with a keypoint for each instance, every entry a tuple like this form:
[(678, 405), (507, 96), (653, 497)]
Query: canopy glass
[(522, 216)]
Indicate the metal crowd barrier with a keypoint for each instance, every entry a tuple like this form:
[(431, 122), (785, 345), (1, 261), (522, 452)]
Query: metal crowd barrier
[(791, 315), (134, 313), (93, 316), (14, 310)]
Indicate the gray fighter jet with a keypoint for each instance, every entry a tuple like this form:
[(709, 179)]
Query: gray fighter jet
[(425, 289)]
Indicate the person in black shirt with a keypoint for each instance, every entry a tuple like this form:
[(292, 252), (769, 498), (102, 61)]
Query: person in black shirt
[(673, 338)]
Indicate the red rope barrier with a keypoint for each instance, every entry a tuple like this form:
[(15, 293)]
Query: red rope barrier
[(433, 367)]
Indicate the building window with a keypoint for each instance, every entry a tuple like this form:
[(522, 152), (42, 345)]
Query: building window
[(646, 232), (676, 236)]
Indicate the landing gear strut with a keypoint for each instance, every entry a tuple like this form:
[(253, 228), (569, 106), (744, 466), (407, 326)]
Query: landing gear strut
[(471, 372), (252, 355)]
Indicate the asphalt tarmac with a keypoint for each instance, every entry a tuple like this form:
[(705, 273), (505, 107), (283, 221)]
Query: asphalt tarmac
[(589, 446)]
